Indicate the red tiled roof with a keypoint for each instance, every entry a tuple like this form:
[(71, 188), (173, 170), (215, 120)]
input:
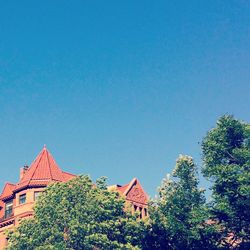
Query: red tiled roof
[(68, 176), (125, 188), (1, 204), (133, 191), (42, 171), (7, 190), (1, 209), (122, 188)]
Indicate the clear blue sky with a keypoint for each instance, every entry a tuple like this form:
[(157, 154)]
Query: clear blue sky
[(119, 88)]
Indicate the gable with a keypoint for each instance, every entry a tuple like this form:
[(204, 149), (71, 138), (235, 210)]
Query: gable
[(136, 193), (7, 190)]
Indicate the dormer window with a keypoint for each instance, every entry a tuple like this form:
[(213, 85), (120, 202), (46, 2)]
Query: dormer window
[(22, 199), (8, 209)]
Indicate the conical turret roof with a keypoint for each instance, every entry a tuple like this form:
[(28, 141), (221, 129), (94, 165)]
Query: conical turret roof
[(42, 171)]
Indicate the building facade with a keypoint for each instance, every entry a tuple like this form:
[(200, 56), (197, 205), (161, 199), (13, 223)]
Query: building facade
[(17, 200)]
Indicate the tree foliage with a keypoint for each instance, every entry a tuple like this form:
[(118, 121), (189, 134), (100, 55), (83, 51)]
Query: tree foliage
[(178, 217), (81, 215), (226, 156), (78, 215)]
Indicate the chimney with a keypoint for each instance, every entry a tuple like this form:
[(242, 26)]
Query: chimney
[(23, 170)]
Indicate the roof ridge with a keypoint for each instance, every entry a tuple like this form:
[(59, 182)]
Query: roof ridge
[(67, 172), (40, 155), (130, 185), (9, 183), (46, 152)]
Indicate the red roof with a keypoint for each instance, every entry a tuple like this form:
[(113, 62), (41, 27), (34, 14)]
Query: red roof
[(1, 209), (42, 171), (122, 188), (133, 191), (68, 176), (7, 190)]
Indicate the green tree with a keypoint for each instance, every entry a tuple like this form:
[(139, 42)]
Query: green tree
[(78, 215), (226, 156), (178, 217)]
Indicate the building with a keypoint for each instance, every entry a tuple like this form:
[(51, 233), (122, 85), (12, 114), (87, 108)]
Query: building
[(17, 200)]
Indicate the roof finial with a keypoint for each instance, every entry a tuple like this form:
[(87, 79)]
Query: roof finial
[(44, 146)]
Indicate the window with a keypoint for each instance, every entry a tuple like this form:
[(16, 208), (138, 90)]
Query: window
[(22, 198), (36, 195), (135, 208), (140, 209), (145, 212), (8, 209)]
